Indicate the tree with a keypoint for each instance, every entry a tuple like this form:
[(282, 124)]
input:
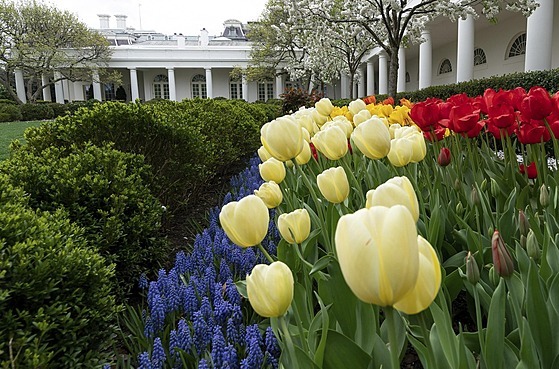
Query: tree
[(39, 39), (392, 23)]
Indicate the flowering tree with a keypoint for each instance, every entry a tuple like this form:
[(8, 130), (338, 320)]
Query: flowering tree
[(391, 23)]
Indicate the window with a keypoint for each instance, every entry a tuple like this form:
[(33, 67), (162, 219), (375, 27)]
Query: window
[(408, 78), (479, 56), (109, 91), (161, 87), (235, 89), (289, 84), (445, 67), (199, 86), (265, 90), (518, 46)]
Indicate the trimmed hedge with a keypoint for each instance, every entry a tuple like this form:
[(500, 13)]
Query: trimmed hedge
[(57, 308), (9, 112)]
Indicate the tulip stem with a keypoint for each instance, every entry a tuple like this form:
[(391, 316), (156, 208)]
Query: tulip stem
[(390, 316), (263, 250), (292, 360)]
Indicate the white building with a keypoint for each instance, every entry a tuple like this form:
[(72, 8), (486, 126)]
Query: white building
[(176, 67)]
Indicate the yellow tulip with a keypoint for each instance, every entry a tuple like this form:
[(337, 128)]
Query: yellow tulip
[(385, 110), (282, 138), (360, 117), (272, 170), (305, 119), (295, 227), (263, 154), (245, 222), (356, 106), (372, 138), (428, 281), (332, 142), (270, 289), (318, 118), (306, 135), (409, 146), (270, 193), (305, 155), (395, 191), (378, 253), (333, 184), (341, 122), (401, 152), (324, 106)]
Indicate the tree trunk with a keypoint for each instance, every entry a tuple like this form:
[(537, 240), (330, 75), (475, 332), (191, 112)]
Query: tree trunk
[(393, 71), (351, 81)]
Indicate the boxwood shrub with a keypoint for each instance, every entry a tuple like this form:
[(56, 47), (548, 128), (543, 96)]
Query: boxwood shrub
[(9, 112), (57, 308)]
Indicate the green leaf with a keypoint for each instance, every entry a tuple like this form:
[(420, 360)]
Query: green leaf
[(495, 335), (322, 263), (528, 357), (342, 352), (443, 335)]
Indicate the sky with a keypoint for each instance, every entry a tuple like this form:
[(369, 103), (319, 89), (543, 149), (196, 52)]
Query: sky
[(166, 16)]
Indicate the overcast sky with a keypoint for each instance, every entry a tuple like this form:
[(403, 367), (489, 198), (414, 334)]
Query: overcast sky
[(166, 16)]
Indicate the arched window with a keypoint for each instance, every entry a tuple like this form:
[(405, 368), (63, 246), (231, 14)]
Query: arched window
[(161, 87), (518, 46), (265, 90), (235, 88), (445, 67), (479, 56), (199, 86)]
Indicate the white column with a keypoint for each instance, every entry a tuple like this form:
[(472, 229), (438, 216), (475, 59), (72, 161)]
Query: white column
[(46, 90), (344, 93), (66, 89), (401, 86), (209, 83), (97, 87), (382, 73), (78, 91), (426, 60), (134, 84), (279, 83), (172, 85), (20, 85), (245, 87), (465, 52), (362, 82), (370, 78), (58, 89), (539, 32)]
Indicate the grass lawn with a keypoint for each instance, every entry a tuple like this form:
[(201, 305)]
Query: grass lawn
[(10, 131)]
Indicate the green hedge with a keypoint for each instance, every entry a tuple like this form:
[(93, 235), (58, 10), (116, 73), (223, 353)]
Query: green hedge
[(56, 305), (102, 190), (9, 112)]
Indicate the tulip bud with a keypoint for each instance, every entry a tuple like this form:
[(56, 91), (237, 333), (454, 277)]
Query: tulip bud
[(324, 106), (532, 246), (495, 189), (282, 137), (270, 289), (395, 191), (333, 184), (272, 170), (457, 184), (523, 224), (483, 185), (544, 196), (493, 276), (502, 259), (245, 222), (318, 118), (444, 157), (459, 208), (361, 117), (474, 197), (305, 155), (472, 270), (356, 106), (263, 154), (295, 227), (270, 193), (372, 138)]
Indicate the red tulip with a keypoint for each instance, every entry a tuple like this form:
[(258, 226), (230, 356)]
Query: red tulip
[(532, 132), (502, 260), (313, 151), (536, 105), (531, 170), (464, 118), (444, 157)]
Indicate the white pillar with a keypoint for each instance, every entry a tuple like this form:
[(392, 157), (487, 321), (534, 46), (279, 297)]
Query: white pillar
[(20, 85), (245, 87), (58, 89), (382, 73), (209, 83), (426, 60), (46, 90), (172, 85), (539, 32), (97, 87), (66, 89), (401, 86), (78, 91), (361, 87), (370, 78), (134, 84), (344, 93), (279, 83), (465, 52)]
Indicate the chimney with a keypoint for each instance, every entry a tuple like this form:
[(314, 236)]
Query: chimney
[(181, 40), (121, 21), (103, 21), (204, 37)]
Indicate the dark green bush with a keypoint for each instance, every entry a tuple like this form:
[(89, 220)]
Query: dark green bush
[(8, 101), (102, 190), (9, 113), (37, 111), (59, 110), (56, 305)]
